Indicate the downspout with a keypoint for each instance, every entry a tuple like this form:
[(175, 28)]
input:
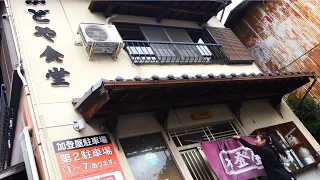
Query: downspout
[(29, 101), (309, 89), (28, 155), (34, 123)]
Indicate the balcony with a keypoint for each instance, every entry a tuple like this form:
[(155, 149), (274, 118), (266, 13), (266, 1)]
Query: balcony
[(161, 52)]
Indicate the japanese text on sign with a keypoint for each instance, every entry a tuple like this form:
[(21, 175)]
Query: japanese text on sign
[(239, 160), (80, 143), (86, 157)]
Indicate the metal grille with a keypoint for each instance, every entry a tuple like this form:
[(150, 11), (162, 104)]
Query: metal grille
[(151, 52), (183, 137), (196, 165), (188, 144)]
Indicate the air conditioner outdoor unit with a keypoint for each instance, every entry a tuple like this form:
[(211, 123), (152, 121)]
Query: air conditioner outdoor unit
[(100, 38)]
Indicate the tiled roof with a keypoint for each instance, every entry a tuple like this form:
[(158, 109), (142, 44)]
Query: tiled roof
[(211, 75), (125, 96)]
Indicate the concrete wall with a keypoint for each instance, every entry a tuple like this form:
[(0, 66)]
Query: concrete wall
[(55, 113)]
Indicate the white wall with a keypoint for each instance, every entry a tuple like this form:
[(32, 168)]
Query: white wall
[(65, 21), (56, 113)]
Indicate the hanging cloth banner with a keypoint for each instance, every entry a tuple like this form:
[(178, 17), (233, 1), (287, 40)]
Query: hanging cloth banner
[(230, 160)]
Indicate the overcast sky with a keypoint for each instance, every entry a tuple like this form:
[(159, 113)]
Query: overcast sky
[(228, 9)]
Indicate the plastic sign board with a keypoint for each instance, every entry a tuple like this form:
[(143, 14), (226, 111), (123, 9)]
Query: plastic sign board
[(91, 157)]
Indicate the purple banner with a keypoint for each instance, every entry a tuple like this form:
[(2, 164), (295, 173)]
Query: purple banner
[(230, 160)]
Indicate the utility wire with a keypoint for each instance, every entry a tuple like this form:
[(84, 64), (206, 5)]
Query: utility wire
[(299, 57)]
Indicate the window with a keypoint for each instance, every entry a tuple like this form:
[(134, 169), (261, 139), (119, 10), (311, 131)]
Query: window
[(130, 32), (188, 140), (160, 44), (149, 158)]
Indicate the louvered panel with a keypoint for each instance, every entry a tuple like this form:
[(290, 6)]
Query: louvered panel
[(231, 44), (237, 45), (220, 39)]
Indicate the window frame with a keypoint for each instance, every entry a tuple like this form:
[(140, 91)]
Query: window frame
[(202, 30), (165, 140), (172, 52)]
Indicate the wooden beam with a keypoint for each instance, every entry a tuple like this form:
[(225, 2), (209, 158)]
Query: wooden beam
[(124, 96), (181, 90), (144, 94), (107, 13), (196, 4), (195, 90), (205, 18), (138, 107), (93, 5), (161, 13), (162, 116), (155, 7), (204, 5), (206, 90), (235, 108)]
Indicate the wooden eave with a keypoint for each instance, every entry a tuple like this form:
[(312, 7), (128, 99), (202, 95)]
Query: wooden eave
[(109, 98), (199, 11)]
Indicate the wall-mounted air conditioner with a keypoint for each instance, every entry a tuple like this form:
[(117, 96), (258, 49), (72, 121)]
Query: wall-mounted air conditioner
[(100, 38)]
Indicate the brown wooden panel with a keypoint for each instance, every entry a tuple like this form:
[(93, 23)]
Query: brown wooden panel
[(232, 46)]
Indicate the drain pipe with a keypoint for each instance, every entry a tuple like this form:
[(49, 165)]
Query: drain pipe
[(29, 101), (28, 155), (34, 123)]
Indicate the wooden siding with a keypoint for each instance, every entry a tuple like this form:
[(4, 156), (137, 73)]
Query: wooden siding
[(282, 36)]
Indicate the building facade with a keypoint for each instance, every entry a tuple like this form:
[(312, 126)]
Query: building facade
[(176, 77), (281, 35)]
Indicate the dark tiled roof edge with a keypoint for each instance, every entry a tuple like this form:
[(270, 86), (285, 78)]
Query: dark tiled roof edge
[(210, 75)]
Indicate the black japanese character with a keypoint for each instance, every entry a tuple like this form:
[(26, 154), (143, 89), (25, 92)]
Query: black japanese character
[(58, 76), (35, 2), (52, 55), (37, 15), (45, 32)]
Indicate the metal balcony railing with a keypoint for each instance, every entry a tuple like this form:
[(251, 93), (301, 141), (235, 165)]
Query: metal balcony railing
[(152, 52)]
